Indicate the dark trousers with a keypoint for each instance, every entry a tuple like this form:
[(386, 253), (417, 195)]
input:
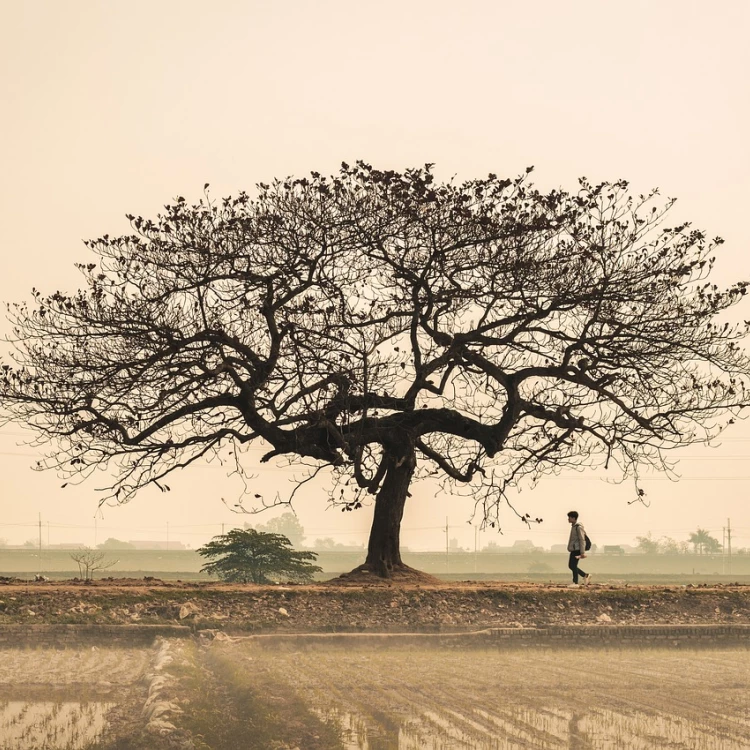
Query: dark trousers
[(573, 565)]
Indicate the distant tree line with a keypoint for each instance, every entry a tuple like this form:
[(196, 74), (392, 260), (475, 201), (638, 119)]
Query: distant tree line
[(700, 542), (288, 525)]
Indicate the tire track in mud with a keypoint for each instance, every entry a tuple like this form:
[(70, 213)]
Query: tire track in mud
[(544, 699)]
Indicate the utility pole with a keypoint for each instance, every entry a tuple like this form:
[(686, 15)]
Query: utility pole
[(446, 544), (40, 542), (729, 542), (476, 547), (167, 535)]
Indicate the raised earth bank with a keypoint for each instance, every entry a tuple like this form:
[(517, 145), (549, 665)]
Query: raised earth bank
[(322, 608)]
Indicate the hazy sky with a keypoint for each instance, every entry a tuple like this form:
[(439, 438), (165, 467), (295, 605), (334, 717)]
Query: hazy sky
[(115, 108)]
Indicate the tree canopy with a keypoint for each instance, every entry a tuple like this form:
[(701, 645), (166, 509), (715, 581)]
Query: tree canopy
[(385, 326), (250, 556), (703, 542), (287, 524)]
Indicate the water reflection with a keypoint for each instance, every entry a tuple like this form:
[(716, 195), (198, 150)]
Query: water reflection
[(47, 725)]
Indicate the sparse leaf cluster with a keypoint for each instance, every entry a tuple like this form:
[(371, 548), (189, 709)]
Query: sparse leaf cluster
[(90, 560)]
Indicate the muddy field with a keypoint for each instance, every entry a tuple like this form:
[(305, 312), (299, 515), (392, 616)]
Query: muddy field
[(225, 688), (71, 699), (237, 694), (433, 700)]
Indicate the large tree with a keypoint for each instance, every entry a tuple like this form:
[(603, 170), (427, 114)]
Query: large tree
[(384, 326)]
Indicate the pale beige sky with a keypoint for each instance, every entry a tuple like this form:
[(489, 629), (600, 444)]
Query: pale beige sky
[(113, 108)]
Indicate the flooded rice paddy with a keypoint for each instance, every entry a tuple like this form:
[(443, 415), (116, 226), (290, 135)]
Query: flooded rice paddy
[(430, 699), (240, 695), (47, 724), (67, 699)]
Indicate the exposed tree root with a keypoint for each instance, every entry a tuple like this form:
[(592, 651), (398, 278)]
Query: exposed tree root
[(398, 574)]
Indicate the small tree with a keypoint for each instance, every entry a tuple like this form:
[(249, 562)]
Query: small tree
[(703, 542), (250, 556), (286, 524), (648, 544), (669, 546), (89, 561), (712, 545)]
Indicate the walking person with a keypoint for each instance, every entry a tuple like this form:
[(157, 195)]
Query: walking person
[(577, 548)]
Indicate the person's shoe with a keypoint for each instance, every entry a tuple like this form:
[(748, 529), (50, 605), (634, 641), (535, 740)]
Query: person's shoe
[(573, 586), (587, 579)]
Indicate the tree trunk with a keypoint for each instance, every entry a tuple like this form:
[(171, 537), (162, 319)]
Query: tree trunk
[(383, 551)]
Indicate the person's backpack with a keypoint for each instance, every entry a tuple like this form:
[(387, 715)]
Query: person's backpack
[(587, 541)]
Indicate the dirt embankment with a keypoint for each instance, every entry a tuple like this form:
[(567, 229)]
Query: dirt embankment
[(374, 608)]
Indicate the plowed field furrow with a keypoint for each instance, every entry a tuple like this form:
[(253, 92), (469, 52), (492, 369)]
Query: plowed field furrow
[(487, 699), (49, 666), (687, 692)]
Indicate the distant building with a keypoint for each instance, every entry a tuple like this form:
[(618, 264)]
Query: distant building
[(608, 549), (157, 545), (613, 549), (524, 545)]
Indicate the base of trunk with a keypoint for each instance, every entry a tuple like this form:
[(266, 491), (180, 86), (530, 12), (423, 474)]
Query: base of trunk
[(399, 574)]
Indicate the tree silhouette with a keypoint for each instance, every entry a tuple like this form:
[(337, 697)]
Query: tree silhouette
[(89, 561), (381, 327), (287, 524), (249, 556), (648, 544), (703, 542), (712, 545)]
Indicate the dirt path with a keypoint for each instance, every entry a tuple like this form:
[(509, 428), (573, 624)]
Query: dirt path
[(328, 608)]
